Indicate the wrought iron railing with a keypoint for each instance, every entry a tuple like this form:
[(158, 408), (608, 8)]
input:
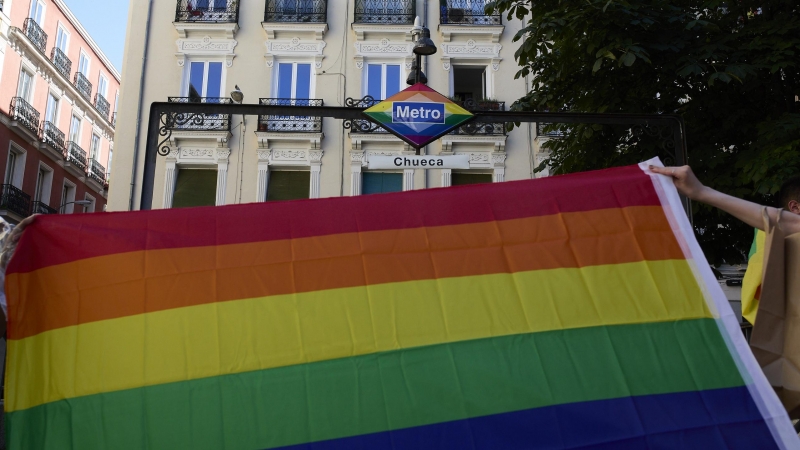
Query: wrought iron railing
[(83, 85), (13, 199), (60, 60), (53, 137), (300, 11), (290, 124), (35, 34), (385, 11), (75, 155), (96, 171), (545, 130), (212, 11), (24, 114), (362, 125), (466, 12), (101, 105), (199, 122), (42, 208), (480, 128)]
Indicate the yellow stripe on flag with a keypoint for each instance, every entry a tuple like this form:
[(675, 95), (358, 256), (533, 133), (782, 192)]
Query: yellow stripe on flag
[(261, 333)]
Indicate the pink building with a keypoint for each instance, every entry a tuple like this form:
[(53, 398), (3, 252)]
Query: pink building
[(58, 100)]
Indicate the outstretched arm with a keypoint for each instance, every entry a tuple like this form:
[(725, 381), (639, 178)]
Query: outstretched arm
[(748, 212)]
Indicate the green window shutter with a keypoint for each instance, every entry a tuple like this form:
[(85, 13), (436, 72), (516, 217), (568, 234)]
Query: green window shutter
[(380, 183), (460, 179), (288, 185), (195, 187)]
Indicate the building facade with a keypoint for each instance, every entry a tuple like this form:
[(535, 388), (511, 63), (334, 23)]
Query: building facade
[(58, 94), (309, 52)]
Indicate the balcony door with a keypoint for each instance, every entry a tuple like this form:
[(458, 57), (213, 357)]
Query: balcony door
[(37, 12), (83, 64), (299, 7), (75, 130), (293, 88), (205, 81), (52, 109), (25, 85), (215, 5), (383, 80), (62, 39)]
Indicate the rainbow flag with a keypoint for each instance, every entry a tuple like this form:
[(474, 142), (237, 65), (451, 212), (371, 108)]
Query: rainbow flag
[(566, 312)]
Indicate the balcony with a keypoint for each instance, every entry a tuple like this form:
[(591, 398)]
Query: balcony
[(389, 12), (53, 137), (199, 122), (13, 200), (207, 11), (546, 130), (479, 128), (35, 34), (101, 105), (290, 124), (466, 12), (83, 86), (25, 115), (42, 208), (62, 63), (97, 172), (296, 11), (75, 156)]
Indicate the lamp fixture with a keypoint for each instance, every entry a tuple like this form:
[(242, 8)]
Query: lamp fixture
[(236, 95)]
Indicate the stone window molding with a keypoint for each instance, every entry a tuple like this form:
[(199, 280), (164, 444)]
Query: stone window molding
[(471, 50), (206, 47), (384, 49), (359, 158), (294, 49), (485, 153), (493, 32), (192, 156), (279, 150)]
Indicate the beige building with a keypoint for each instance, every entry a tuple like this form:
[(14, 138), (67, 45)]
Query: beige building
[(305, 52)]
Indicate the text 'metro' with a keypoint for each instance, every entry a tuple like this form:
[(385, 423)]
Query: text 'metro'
[(417, 112)]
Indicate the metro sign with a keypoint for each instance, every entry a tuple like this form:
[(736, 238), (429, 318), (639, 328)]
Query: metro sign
[(418, 115)]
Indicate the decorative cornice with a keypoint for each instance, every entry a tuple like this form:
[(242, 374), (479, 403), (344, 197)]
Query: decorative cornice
[(492, 31), (206, 46), (471, 50), (294, 47), (362, 29), (318, 29), (227, 29)]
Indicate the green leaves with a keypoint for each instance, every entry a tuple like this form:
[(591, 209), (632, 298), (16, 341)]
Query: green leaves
[(731, 69)]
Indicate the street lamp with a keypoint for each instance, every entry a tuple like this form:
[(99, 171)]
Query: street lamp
[(76, 202), (236, 95), (423, 46)]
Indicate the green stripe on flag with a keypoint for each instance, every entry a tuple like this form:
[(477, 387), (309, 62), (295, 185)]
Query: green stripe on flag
[(390, 390)]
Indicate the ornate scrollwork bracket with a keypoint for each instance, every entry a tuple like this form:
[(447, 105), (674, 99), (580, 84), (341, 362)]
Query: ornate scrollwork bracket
[(171, 121), (361, 125), (663, 134)]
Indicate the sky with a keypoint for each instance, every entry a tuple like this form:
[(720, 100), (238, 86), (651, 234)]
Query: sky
[(105, 21)]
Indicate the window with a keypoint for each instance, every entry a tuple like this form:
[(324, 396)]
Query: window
[(108, 169), (67, 198), (90, 207), (75, 129), (195, 187), (461, 179), (383, 80), (83, 64), (381, 183), (295, 6), (210, 4), (62, 39), (116, 101), (37, 12), (469, 83), (15, 166), (25, 85), (288, 185), (294, 80), (44, 181), (102, 86), (94, 149), (205, 79), (51, 113)]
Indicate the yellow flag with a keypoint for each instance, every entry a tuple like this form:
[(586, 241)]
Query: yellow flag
[(751, 284)]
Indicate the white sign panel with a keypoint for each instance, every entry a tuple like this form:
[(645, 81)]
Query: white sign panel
[(419, 162)]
